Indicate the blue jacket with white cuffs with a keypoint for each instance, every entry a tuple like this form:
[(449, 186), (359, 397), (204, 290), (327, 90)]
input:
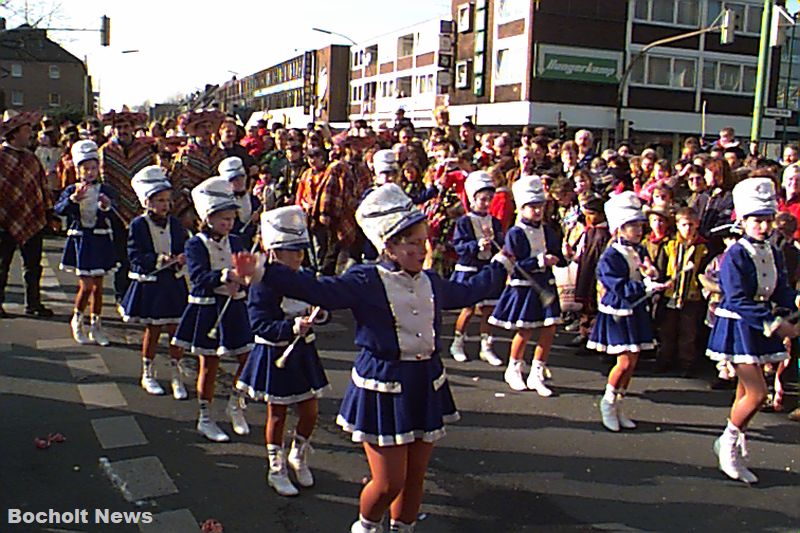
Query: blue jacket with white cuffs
[(148, 243), (83, 216), (622, 283), (465, 240), (210, 263), (272, 315), (529, 243)]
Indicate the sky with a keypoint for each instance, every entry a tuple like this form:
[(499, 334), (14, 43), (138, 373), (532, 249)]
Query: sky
[(184, 44)]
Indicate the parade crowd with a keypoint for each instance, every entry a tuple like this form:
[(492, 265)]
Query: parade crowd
[(238, 241)]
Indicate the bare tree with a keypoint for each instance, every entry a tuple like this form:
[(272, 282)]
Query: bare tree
[(35, 13)]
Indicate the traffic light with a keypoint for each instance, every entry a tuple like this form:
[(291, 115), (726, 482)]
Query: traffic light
[(105, 31), (727, 29), (562, 130)]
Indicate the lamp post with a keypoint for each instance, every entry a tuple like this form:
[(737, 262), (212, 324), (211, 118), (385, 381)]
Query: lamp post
[(347, 98), (329, 32)]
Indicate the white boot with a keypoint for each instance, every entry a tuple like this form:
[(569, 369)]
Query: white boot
[(76, 324), (235, 411), (176, 380), (277, 477), (149, 382), (96, 333), (536, 380), (624, 421), (608, 409), (362, 525), (396, 526), (208, 427), (728, 451), (513, 374), (487, 353), (457, 348), (298, 460)]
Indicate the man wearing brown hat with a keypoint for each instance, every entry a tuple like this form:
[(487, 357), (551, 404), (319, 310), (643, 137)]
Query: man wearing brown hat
[(24, 207), (121, 157)]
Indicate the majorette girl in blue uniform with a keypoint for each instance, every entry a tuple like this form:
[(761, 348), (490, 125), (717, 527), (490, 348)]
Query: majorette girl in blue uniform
[(245, 225), (398, 399), (474, 240), (276, 321), (213, 278), (746, 331), (624, 326), (528, 302), (157, 294), (89, 250)]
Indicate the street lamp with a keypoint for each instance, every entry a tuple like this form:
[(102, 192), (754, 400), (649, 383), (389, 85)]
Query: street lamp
[(329, 32)]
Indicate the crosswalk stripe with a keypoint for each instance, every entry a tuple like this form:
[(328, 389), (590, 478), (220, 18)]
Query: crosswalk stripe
[(139, 479), (118, 432), (81, 364), (49, 344), (102, 395), (180, 521)]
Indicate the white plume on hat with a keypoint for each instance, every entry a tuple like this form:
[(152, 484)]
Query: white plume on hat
[(754, 196), (623, 208), (149, 181), (384, 161), (528, 190), (385, 212), (231, 168), (83, 151), (284, 228), (212, 195), (476, 182)]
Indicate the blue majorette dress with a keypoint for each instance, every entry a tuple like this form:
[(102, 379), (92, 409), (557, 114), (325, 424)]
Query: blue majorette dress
[(159, 298), (209, 262), (753, 281), (620, 327), (248, 204), (272, 319), (520, 305), (398, 390), (89, 250), (469, 230)]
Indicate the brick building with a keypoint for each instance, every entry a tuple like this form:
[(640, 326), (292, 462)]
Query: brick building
[(38, 74)]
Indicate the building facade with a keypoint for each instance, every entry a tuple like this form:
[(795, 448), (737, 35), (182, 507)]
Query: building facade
[(409, 68), (308, 87), (38, 74), (529, 62)]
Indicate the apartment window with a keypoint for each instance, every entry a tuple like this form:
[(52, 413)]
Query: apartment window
[(719, 76), (405, 45), (663, 71), (16, 70), (509, 66), (748, 15), (55, 72), (403, 87), (17, 98), (673, 12), (54, 99), (462, 75), (464, 18)]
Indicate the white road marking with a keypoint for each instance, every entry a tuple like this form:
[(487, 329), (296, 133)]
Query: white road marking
[(140, 479), (118, 432), (49, 344), (180, 521), (81, 364), (102, 395)]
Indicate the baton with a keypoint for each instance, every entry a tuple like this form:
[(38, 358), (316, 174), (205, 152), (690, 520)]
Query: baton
[(546, 296), (212, 334), (281, 361)]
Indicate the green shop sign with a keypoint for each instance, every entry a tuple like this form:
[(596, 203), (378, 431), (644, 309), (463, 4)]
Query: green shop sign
[(559, 66)]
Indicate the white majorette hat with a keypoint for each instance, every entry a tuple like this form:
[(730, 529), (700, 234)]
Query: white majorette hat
[(214, 194), (231, 168), (623, 208), (83, 151), (528, 190), (149, 181), (385, 212), (384, 161), (284, 228), (477, 181), (754, 197)]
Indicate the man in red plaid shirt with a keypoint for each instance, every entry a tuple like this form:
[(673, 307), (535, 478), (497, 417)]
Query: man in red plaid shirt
[(24, 207)]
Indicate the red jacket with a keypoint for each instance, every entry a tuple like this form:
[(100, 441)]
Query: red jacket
[(792, 206), (502, 208)]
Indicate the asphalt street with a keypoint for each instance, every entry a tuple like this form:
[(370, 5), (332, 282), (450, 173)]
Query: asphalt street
[(514, 463)]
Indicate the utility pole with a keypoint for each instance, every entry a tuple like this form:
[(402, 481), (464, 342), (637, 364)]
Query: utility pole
[(761, 74)]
